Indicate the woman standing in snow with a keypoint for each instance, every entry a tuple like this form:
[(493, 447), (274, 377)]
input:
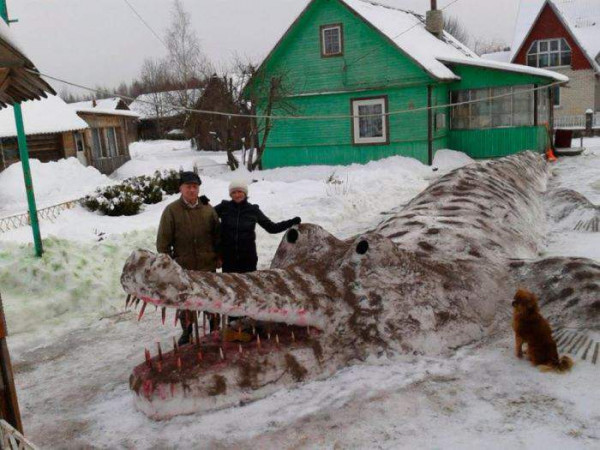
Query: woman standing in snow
[(238, 224)]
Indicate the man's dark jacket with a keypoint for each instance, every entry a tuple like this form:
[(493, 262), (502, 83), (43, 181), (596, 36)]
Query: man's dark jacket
[(238, 238)]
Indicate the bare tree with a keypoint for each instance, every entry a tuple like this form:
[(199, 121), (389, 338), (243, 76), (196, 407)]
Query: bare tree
[(155, 78), (187, 63), (483, 46), (454, 26), (271, 92)]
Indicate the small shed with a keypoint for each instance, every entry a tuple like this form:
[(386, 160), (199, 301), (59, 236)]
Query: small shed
[(112, 127), (52, 128), (159, 113)]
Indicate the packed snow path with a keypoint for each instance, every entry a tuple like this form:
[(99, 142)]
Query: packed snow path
[(71, 374)]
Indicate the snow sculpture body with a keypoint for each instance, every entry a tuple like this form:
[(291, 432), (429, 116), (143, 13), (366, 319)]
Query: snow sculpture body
[(436, 275)]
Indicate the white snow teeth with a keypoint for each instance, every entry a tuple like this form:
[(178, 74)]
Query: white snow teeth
[(231, 341)]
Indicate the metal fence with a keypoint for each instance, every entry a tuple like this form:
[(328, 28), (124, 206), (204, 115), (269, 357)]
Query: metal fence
[(22, 220), (576, 122), (11, 439)]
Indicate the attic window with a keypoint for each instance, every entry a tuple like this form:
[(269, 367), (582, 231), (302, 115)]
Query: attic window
[(549, 53), (369, 122), (332, 40)]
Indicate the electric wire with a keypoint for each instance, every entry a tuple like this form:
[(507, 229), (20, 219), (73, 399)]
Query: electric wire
[(146, 24), (298, 117)]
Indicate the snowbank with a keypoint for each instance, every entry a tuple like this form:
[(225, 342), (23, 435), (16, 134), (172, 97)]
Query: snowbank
[(73, 347), (447, 160), (53, 182)]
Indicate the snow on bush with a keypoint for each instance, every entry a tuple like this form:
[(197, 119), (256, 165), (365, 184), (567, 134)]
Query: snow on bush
[(127, 198)]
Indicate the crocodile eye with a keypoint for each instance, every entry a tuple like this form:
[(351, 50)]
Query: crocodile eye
[(292, 236), (362, 247)]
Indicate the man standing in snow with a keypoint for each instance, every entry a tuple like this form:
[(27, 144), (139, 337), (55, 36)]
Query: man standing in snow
[(189, 232)]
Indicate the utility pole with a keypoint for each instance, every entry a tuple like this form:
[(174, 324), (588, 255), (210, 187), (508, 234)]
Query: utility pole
[(24, 156)]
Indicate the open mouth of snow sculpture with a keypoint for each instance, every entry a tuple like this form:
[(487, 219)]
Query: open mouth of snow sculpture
[(434, 276)]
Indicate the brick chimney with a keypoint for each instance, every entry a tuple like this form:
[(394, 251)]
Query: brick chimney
[(434, 22)]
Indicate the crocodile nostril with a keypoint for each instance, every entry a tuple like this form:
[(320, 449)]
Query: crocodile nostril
[(292, 236), (362, 247)]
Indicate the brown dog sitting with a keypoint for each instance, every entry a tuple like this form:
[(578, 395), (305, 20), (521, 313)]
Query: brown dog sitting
[(531, 328)]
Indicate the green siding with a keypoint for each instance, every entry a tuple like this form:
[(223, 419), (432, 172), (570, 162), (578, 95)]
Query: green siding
[(480, 77), (301, 142), (369, 59), (497, 142), (371, 66)]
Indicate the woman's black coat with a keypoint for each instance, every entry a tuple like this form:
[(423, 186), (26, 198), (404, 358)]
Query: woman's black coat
[(238, 238)]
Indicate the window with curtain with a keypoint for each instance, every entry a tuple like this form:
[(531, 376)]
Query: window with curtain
[(331, 40), (492, 107), (369, 122)]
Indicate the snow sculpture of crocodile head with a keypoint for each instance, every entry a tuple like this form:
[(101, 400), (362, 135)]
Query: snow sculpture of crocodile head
[(434, 276)]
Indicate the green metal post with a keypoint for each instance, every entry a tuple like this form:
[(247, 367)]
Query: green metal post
[(3, 10), (24, 155)]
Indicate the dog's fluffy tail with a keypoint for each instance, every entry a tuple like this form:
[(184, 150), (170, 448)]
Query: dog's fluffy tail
[(564, 365)]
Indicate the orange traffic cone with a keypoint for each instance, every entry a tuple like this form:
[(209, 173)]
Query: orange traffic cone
[(550, 155)]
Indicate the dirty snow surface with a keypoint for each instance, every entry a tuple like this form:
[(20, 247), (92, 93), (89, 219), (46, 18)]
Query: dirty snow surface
[(73, 346)]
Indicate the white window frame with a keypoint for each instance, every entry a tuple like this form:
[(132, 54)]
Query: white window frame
[(549, 52), (356, 138), (340, 35)]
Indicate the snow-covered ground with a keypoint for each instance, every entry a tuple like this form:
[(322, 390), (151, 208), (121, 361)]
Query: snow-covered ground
[(73, 346)]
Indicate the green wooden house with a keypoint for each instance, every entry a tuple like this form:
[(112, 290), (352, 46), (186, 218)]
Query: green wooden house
[(354, 81)]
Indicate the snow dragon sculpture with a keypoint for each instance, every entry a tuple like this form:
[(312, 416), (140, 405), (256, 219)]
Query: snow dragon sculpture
[(439, 273)]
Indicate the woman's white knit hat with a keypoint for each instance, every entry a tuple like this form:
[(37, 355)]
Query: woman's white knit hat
[(238, 185)]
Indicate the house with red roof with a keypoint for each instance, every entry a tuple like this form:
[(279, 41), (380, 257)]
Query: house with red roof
[(564, 36)]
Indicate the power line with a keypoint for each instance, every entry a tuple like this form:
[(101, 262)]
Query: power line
[(146, 24), (289, 117)]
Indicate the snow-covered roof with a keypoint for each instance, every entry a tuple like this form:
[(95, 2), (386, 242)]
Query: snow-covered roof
[(49, 115), (163, 104), (517, 68), (103, 103), (103, 106), (407, 31), (580, 17), (23, 81), (417, 42), (498, 56)]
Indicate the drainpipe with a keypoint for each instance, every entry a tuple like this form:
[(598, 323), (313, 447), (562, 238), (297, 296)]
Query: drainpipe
[(24, 155), (429, 125), (434, 20)]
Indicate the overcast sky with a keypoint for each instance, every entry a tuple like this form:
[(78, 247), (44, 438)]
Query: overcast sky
[(102, 42)]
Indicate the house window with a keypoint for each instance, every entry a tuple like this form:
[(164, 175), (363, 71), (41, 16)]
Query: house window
[(549, 53), (332, 40), (111, 139), (492, 107), (79, 141), (439, 121), (556, 96), (369, 121), (98, 150)]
